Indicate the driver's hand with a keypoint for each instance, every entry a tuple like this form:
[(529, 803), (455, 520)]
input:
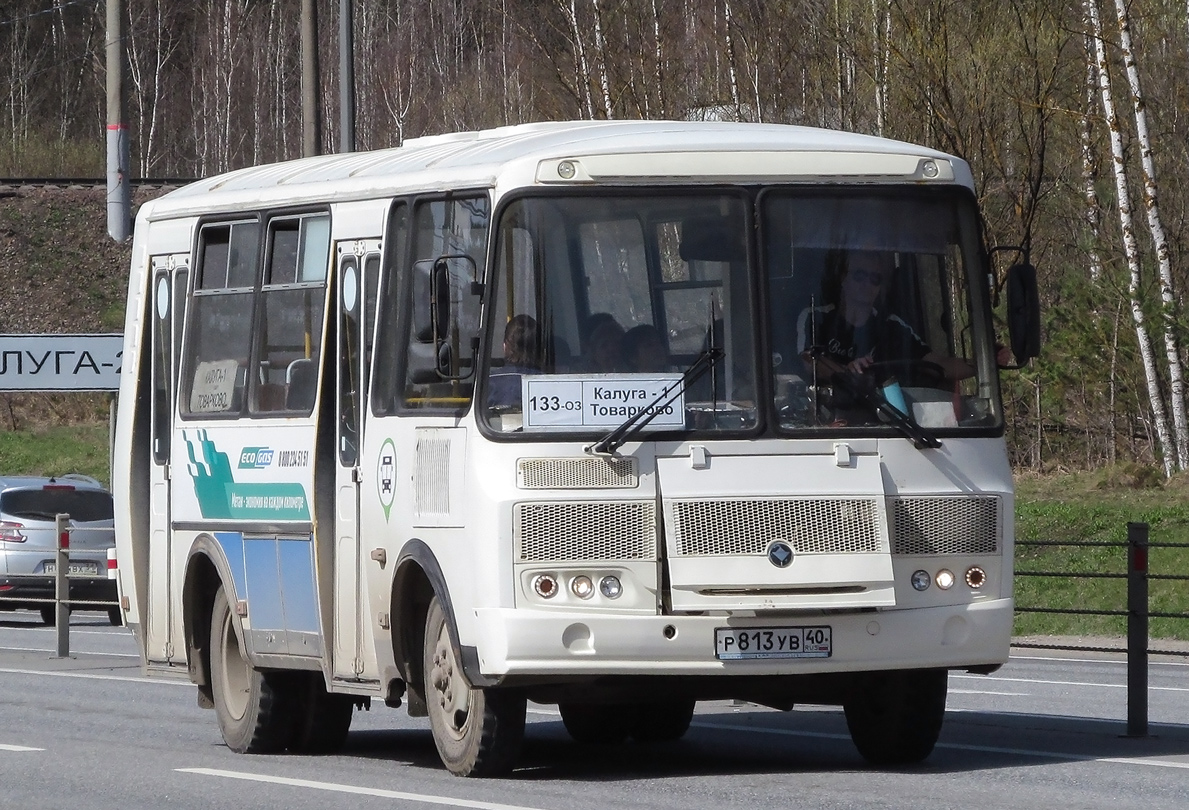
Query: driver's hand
[(859, 364)]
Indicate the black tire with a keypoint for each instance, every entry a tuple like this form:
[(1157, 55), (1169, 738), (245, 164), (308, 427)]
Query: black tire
[(895, 717), (322, 719), (49, 615), (478, 732), (663, 721), (115, 616), (254, 708), (597, 723)]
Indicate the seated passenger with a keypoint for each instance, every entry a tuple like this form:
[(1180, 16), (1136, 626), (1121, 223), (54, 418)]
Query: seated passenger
[(521, 356), (644, 349), (602, 353)]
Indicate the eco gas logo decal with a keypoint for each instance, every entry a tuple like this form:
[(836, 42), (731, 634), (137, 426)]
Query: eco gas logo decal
[(255, 458), (220, 496)]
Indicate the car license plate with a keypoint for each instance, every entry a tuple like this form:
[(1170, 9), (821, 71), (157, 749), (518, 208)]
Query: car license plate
[(85, 568), (739, 643)]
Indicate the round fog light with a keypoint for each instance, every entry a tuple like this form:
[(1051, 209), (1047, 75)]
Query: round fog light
[(945, 579), (610, 587), (921, 580), (582, 587), (976, 577), (546, 586)]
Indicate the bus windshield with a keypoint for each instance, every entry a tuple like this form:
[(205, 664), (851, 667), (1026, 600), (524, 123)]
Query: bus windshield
[(603, 302)]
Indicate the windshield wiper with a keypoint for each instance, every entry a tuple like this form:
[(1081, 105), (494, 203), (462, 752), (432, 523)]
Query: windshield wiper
[(867, 391), (622, 433)]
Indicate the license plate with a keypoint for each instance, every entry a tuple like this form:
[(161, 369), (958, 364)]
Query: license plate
[(74, 569), (740, 643)]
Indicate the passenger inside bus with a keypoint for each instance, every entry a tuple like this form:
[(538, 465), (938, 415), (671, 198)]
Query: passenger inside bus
[(522, 354), (644, 349), (602, 351)]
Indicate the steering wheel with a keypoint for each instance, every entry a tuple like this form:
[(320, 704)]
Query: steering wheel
[(924, 372)]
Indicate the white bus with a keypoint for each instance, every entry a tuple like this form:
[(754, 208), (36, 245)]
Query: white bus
[(556, 413)]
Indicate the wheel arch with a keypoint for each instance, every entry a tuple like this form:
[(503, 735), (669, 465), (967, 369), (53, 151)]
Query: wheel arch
[(206, 572)]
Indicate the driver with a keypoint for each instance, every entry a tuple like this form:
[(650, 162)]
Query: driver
[(855, 334)]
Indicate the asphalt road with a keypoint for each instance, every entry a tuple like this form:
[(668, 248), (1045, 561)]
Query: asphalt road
[(1047, 731)]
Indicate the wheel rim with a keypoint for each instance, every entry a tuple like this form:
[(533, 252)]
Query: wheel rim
[(451, 692), (235, 681)]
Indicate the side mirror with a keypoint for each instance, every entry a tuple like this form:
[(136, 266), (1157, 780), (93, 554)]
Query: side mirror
[(439, 300), (1023, 312), (452, 276)]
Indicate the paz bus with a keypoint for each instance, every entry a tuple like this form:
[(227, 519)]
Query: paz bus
[(387, 434)]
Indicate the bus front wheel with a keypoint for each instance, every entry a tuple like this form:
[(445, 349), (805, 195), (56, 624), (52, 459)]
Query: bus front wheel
[(478, 732), (895, 717), (253, 707)]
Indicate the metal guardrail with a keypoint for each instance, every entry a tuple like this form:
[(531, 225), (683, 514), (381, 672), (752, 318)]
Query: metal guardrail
[(1137, 611), (61, 599)]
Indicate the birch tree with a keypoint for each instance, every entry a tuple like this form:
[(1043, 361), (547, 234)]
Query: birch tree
[(1176, 377), (1131, 249)]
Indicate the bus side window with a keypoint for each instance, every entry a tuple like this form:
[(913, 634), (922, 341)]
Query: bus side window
[(293, 298), (444, 228), (216, 355), (390, 313)]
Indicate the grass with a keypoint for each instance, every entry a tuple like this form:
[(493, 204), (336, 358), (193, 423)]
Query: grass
[(57, 450), (1096, 507)]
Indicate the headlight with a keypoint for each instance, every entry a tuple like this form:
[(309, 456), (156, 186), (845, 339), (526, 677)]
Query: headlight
[(945, 579), (610, 587), (921, 580), (976, 577), (582, 587), (545, 585)]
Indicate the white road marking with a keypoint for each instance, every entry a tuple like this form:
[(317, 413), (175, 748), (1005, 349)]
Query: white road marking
[(987, 692), (987, 749), (91, 676), (72, 652), (999, 679), (354, 789), (4, 747), (1118, 661)]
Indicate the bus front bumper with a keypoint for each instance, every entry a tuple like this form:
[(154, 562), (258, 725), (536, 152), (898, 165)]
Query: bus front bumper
[(539, 643)]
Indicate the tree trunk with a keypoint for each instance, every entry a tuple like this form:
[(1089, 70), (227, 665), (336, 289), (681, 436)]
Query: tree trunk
[(1155, 400), (1176, 376)]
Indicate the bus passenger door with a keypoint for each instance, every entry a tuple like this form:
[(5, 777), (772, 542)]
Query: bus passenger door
[(162, 622), (358, 266)]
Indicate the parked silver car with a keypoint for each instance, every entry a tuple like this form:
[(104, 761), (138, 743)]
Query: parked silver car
[(29, 507)]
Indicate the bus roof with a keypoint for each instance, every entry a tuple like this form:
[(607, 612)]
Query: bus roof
[(604, 151)]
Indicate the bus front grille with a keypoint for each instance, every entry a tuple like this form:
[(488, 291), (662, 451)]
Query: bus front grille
[(584, 530), (745, 527), (945, 525)]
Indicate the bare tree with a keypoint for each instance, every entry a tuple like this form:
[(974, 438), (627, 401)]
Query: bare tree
[(1155, 400), (1176, 376)]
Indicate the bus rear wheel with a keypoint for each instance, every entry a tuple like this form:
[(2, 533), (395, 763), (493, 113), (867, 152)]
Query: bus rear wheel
[(323, 718), (895, 717), (478, 732), (253, 707)]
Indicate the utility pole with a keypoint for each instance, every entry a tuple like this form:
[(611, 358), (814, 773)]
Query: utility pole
[(311, 119), (119, 195), (346, 76)]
